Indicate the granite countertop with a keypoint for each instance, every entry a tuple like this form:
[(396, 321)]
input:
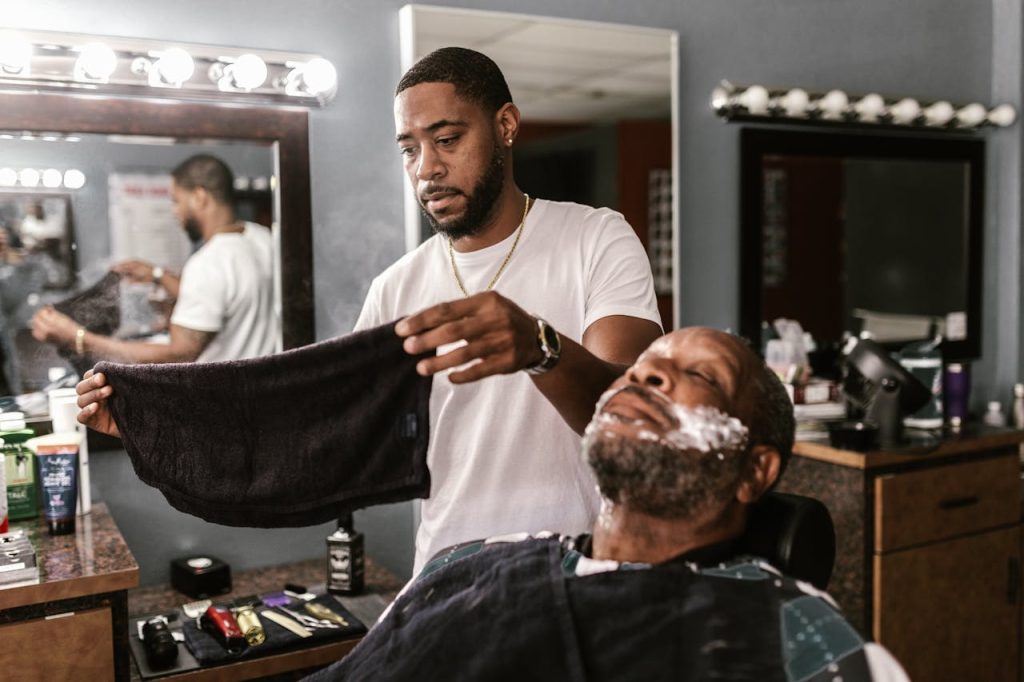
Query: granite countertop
[(92, 560)]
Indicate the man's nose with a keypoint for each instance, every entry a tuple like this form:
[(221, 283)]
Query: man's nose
[(430, 166), (652, 374)]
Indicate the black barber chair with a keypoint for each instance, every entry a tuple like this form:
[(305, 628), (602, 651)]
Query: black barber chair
[(795, 534)]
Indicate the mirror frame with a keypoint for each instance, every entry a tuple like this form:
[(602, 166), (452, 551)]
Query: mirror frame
[(758, 142), (286, 128)]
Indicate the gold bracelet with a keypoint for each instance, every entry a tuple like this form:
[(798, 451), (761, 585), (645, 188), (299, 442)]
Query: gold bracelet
[(80, 341)]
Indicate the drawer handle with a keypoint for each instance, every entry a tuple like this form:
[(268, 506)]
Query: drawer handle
[(958, 502)]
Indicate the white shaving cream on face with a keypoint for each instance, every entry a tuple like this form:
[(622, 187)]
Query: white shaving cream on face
[(703, 428)]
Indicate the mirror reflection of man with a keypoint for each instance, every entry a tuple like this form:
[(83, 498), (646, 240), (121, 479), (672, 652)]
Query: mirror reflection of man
[(560, 290), (682, 446), (224, 308)]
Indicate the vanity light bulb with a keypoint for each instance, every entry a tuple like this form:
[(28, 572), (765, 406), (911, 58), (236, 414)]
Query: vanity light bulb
[(870, 107), (795, 102), (52, 178), (905, 111), (74, 178), (938, 114), (719, 98), (833, 105), (28, 177), (8, 177), (95, 62), (319, 76), (755, 99), (175, 66), (249, 72), (971, 115), (1004, 115), (15, 54)]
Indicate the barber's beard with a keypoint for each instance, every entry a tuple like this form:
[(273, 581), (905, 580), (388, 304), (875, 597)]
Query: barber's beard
[(673, 475), (192, 229), (480, 203)]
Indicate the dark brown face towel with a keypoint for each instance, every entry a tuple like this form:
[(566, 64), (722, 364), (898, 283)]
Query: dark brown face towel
[(98, 309), (292, 439)]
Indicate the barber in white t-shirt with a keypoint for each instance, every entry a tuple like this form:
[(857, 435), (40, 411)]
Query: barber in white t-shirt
[(225, 304), (508, 283)]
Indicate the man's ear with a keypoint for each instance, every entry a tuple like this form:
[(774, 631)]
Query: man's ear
[(507, 122), (764, 470)]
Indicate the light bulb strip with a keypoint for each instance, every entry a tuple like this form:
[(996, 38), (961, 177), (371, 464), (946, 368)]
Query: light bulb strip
[(40, 179), (759, 103), (129, 67)]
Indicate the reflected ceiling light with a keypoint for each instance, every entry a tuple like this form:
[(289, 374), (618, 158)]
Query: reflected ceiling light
[(52, 178), (8, 177), (74, 178), (29, 177), (96, 62), (757, 102), (15, 54)]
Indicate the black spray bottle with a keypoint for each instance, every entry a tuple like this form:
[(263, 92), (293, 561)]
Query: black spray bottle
[(345, 558)]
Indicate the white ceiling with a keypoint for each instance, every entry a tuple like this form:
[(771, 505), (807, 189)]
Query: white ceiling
[(560, 70)]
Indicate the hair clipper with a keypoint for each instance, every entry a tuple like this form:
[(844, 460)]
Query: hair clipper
[(221, 624)]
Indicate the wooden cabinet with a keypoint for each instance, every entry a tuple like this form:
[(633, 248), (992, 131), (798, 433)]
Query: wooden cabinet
[(928, 549), (72, 624)]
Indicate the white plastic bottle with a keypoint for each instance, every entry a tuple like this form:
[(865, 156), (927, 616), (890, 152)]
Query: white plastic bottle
[(995, 416)]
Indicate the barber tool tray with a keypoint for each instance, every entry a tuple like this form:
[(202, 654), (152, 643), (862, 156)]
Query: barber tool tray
[(248, 627)]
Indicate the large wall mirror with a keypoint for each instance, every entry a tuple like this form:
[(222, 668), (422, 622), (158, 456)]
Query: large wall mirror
[(863, 232), (68, 236), (598, 111)]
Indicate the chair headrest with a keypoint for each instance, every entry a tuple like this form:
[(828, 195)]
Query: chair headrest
[(794, 533)]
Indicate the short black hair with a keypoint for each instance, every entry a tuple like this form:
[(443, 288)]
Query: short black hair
[(475, 76), (208, 172)]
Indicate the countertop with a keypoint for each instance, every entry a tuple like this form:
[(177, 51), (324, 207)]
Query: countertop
[(93, 560)]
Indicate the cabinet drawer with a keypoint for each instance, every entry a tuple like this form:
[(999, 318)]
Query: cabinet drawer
[(923, 506), (76, 646)]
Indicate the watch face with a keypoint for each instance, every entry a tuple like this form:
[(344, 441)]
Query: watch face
[(551, 338)]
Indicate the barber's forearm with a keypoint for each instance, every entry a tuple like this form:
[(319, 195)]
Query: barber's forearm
[(576, 383), (171, 284), (116, 350)]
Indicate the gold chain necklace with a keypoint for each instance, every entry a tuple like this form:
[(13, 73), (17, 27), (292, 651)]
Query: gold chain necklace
[(508, 256)]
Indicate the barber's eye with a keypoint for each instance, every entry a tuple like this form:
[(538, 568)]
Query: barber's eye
[(407, 151), (445, 141)]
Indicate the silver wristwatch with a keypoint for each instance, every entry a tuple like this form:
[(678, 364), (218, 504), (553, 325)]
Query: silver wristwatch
[(550, 345)]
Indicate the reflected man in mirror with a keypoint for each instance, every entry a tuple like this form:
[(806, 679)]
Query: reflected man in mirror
[(682, 446), (225, 302)]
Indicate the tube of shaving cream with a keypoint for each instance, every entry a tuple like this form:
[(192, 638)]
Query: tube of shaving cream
[(57, 455)]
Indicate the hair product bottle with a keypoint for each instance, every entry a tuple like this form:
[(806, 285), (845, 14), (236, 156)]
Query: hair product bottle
[(345, 564)]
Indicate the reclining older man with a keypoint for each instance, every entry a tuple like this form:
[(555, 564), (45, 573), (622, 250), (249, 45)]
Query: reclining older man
[(681, 446)]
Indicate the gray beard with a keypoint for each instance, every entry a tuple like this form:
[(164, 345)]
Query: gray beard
[(659, 480)]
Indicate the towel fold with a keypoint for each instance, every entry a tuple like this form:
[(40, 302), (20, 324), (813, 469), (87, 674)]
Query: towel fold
[(98, 309), (286, 440)]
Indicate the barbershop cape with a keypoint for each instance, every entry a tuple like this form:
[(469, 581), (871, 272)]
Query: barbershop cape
[(511, 612), (293, 439)]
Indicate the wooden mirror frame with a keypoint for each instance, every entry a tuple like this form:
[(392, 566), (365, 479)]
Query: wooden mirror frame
[(285, 127)]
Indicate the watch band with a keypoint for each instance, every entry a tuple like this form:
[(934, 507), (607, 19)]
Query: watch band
[(158, 274), (550, 345)]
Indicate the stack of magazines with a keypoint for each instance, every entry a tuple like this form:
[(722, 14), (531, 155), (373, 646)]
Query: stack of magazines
[(17, 560)]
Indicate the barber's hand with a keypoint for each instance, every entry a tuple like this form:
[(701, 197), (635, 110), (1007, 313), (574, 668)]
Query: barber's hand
[(501, 337), (50, 326), (93, 392), (135, 270)]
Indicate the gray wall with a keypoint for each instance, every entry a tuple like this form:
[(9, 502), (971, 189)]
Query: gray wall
[(926, 48)]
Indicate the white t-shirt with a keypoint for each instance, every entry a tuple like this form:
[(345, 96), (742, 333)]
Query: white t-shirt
[(227, 287), (501, 458)]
